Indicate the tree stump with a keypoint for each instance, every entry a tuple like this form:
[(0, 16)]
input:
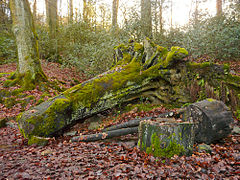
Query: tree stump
[(165, 139), (212, 120)]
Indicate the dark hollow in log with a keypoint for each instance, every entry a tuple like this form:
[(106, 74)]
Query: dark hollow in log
[(105, 135)]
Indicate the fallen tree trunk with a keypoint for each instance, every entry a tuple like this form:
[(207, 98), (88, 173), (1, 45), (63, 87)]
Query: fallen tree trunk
[(105, 135), (163, 78)]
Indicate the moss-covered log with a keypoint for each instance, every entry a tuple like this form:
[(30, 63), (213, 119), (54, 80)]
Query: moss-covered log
[(141, 70)]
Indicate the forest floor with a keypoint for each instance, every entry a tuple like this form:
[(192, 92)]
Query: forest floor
[(112, 159)]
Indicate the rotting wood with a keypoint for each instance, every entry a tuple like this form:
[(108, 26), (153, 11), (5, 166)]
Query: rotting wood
[(105, 135)]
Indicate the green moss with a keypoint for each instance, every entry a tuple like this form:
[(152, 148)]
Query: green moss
[(138, 46), (175, 54), (141, 107), (194, 65), (161, 149), (5, 74), (9, 83), (47, 124), (88, 94), (210, 99), (233, 80), (38, 141)]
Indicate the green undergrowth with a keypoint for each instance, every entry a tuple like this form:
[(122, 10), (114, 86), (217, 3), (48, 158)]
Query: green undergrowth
[(141, 107)]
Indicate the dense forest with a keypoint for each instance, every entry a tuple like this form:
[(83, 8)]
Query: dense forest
[(72, 72)]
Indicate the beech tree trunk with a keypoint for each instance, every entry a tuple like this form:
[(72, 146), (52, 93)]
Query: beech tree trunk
[(35, 10), (29, 70), (146, 18), (52, 17), (219, 7), (115, 6), (142, 70), (70, 11), (85, 11)]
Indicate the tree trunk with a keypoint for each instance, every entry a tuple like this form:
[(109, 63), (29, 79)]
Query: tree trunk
[(146, 18), (52, 17), (171, 16), (161, 15), (85, 11), (219, 7), (165, 139), (35, 10), (196, 14), (70, 11), (212, 120), (115, 6), (148, 71), (29, 71)]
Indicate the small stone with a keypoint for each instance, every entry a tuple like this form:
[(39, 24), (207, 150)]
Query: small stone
[(71, 133), (236, 130), (46, 152), (204, 147)]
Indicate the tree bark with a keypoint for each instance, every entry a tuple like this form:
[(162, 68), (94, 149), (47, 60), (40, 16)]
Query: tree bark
[(85, 11), (148, 71), (161, 15), (219, 7), (52, 17), (70, 11), (146, 18), (115, 6), (35, 10), (212, 120), (29, 71)]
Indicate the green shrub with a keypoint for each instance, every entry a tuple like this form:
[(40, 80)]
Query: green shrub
[(8, 49)]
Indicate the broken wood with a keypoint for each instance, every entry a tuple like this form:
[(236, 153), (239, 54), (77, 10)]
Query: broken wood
[(135, 122), (105, 135), (161, 76), (165, 139), (212, 120)]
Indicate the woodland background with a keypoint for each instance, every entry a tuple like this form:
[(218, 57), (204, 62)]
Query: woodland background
[(86, 35)]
